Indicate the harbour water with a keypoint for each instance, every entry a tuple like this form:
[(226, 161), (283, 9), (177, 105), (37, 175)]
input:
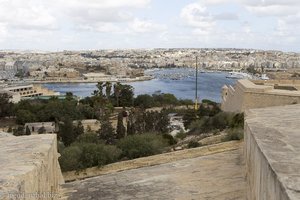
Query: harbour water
[(180, 82)]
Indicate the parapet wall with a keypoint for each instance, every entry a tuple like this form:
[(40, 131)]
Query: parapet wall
[(29, 167), (272, 153), (247, 95)]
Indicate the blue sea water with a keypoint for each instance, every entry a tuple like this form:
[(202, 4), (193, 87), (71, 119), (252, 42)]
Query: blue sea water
[(180, 82)]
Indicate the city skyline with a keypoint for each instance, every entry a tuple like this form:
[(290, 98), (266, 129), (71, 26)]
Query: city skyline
[(114, 24)]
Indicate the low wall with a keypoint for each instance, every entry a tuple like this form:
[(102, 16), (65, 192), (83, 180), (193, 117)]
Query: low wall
[(246, 95), (271, 151), (29, 167)]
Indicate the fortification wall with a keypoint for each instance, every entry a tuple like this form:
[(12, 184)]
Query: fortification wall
[(29, 167), (247, 95), (233, 99), (271, 151)]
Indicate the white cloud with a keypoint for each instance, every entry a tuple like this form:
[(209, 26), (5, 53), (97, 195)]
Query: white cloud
[(104, 27), (3, 32), (226, 16), (103, 4), (29, 14), (273, 10), (146, 26), (198, 17)]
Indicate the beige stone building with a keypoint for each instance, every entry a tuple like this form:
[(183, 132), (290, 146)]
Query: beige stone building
[(49, 127), (27, 91), (89, 124), (248, 94)]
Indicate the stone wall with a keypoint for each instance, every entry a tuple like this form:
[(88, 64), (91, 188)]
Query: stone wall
[(247, 95), (272, 153), (29, 167)]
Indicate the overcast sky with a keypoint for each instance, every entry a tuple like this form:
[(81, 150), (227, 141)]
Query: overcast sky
[(113, 24)]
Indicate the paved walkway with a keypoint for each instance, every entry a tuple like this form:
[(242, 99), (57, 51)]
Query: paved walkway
[(213, 177)]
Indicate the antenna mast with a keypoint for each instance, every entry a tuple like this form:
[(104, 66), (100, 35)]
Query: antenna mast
[(196, 91)]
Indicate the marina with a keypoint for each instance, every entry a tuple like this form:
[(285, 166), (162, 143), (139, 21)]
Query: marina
[(178, 81)]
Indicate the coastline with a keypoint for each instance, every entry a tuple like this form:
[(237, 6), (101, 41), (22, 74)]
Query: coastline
[(113, 80)]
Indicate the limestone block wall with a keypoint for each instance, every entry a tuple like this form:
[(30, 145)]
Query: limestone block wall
[(271, 153), (263, 100), (29, 167), (247, 95), (262, 183), (234, 98)]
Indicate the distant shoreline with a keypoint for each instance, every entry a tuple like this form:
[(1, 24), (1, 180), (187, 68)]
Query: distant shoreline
[(125, 80)]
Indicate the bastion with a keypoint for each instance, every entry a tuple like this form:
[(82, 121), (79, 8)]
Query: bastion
[(29, 167), (272, 153), (248, 94)]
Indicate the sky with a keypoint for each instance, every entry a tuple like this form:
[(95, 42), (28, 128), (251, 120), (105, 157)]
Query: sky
[(56, 25)]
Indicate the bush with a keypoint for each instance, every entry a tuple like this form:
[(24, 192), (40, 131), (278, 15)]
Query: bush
[(171, 140), (85, 155), (193, 144), (135, 146), (199, 126), (90, 138), (234, 134), (181, 135), (237, 121), (70, 158), (221, 120), (144, 101)]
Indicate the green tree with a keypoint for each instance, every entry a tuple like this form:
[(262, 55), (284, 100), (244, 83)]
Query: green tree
[(121, 130), (10, 130), (18, 131), (106, 131), (42, 130), (25, 116), (135, 146), (66, 132), (99, 91), (165, 99), (189, 117), (5, 105), (70, 158), (144, 101), (27, 131), (108, 87), (123, 95), (69, 96), (89, 138), (78, 129), (117, 91)]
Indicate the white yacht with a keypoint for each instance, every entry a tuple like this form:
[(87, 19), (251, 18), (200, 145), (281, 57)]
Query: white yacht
[(239, 75), (264, 77)]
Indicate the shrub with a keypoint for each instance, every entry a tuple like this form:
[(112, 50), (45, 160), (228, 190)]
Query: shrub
[(234, 134), (84, 155), (135, 146), (221, 120), (70, 158), (237, 121), (98, 154), (199, 126), (171, 140), (193, 144), (144, 101), (181, 135), (89, 138)]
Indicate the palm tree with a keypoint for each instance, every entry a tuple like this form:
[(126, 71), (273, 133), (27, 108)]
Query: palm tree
[(117, 91), (108, 87)]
